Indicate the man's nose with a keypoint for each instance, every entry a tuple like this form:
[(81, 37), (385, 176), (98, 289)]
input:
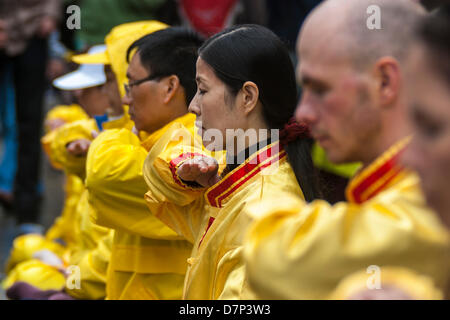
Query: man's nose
[(126, 99), (305, 111)]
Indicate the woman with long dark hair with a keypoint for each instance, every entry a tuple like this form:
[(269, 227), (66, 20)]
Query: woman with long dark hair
[(245, 101)]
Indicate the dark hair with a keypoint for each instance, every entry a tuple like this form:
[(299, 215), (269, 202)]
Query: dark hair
[(254, 53), (434, 32), (171, 51)]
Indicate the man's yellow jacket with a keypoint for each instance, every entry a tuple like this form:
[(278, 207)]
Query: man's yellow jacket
[(296, 250), (148, 259)]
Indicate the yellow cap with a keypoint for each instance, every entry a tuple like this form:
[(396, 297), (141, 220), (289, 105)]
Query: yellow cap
[(117, 42), (37, 274), (94, 58), (24, 246)]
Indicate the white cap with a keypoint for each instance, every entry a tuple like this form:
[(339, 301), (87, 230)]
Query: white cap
[(87, 75)]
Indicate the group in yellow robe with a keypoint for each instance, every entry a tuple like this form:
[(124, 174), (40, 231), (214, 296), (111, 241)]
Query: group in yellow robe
[(86, 245), (296, 250), (20, 265), (213, 219)]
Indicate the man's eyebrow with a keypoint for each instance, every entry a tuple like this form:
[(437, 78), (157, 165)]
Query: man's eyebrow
[(306, 80)]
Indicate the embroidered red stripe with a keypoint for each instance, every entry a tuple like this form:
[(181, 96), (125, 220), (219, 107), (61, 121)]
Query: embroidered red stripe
[(210, 221), (384, 184), (241, 172), (259, 169), (371, 179)]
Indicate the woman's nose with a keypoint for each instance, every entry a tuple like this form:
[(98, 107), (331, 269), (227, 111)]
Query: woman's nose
[(193, 106)]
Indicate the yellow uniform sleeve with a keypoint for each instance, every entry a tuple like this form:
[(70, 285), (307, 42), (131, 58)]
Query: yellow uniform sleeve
[(300, 251), (87, 233), (116, 186), (93, 268), (65, 225), (176, 203), (123, 122), (65, 134), (67, 113)]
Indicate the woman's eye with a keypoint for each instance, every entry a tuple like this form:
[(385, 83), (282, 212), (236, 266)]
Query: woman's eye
[(201, 92), (319, 91)]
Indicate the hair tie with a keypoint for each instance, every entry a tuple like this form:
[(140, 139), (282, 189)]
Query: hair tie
[(292, 131)]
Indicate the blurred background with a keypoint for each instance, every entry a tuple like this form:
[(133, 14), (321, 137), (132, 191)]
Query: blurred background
[(36, 43)]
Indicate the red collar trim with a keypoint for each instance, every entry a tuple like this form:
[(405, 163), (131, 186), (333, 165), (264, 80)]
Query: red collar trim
[(378, 176), (237, 178)]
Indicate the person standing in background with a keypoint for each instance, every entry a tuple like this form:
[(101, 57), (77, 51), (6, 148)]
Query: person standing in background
[(26, 26), (8, 158)]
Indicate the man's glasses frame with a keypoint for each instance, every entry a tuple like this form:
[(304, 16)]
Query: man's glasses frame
[(128, 86)]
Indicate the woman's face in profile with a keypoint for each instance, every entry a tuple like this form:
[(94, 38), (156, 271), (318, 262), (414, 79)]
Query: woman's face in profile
[(214, 107)]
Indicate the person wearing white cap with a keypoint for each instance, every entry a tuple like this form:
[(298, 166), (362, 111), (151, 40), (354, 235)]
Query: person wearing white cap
[(87, 82), (88, 85)]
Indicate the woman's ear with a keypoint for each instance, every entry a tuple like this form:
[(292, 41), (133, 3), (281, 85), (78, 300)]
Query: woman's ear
[(249, 96), (171, 85)]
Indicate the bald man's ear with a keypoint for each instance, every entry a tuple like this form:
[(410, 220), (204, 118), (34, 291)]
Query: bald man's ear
[(171, 84), (389, 80)]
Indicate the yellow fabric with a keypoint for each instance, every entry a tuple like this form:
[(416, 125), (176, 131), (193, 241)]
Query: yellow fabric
[(123, 122), (321, 161), (117, 42), (68, 113), (415, 286), (87, 233), (64, 226), (90, 251), (148, 259), (91, 58), (81, 129), (93, 270), (165, 193), (216, 267), (302, 251), (65, 134), (88, 245), (116, 185), (37, 274), (24, 246)]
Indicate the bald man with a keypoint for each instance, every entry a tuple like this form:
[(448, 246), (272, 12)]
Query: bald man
[(354, 102)]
